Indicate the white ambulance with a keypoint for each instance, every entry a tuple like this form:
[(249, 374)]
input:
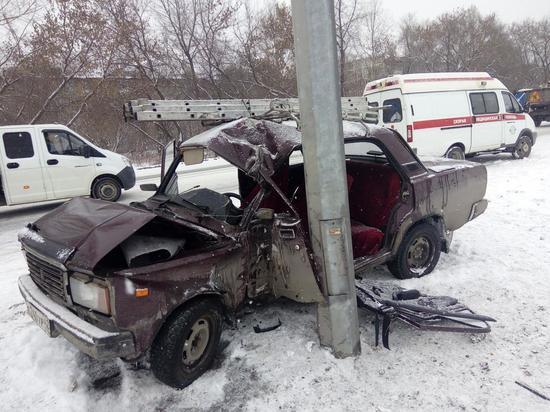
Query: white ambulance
[(51, 162), (453, 114)]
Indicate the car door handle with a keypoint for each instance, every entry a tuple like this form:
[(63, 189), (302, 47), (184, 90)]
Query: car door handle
[(52, 162), (12, 165)]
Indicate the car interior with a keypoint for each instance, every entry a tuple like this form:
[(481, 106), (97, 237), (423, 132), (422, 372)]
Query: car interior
[(373, 191)]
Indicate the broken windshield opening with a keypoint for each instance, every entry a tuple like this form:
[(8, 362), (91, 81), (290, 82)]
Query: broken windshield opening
[(211, 188)]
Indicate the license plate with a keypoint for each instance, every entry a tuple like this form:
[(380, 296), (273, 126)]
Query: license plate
[(40, 319)]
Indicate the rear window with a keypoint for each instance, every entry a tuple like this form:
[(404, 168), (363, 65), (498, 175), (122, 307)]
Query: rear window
[(484, 103), (363, 148), (18, 145), (394, 113)]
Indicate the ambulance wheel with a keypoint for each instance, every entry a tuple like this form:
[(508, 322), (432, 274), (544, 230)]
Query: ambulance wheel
[(455, 153), (522, 148), (106, 188)]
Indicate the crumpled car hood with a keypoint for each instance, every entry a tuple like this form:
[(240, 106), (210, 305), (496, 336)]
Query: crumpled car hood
[(84, 230), (255, 146)]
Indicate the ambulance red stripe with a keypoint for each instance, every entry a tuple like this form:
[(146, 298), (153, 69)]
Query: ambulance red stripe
[(453, 121), (465, 120)]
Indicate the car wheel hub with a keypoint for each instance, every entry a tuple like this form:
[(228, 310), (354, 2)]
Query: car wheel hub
[(195, 345), (107, 191), (419, 253)]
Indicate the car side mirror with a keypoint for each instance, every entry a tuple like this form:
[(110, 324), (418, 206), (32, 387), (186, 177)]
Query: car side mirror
[(149, 187), (86, 151)]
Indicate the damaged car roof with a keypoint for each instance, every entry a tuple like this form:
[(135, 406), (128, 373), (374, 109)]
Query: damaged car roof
[(253, 144)]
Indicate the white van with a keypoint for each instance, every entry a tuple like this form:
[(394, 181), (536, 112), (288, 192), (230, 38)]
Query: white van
[(50, 161), (453, 114)]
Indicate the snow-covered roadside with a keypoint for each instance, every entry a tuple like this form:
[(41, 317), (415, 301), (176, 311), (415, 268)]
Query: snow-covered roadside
[(499, 266)]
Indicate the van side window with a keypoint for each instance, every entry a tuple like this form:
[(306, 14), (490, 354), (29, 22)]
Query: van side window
[(393, 114), (511, 104), (63, 143), (484, 103), (517, 106), (18, 145), (508, 105)]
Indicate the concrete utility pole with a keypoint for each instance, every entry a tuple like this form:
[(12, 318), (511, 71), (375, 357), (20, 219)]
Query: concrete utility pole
[(325, 170)]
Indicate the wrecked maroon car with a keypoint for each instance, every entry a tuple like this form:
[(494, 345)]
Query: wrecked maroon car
[(155, 279)]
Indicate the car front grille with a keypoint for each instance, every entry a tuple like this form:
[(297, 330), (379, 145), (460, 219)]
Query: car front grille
[(48, 277)]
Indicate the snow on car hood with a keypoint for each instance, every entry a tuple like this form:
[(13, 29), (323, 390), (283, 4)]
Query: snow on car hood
[(84, 230), (440, 164)]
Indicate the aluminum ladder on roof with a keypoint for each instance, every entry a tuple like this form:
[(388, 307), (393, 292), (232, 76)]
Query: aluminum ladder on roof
[(224, 110)]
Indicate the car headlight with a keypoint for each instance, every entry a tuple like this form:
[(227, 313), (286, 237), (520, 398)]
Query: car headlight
[(126, 161), (90, 295)]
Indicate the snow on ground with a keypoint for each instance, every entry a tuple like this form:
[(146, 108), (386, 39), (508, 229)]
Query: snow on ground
[(499, 265)]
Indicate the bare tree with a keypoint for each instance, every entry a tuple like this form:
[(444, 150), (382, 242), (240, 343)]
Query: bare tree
[(532, 38), (349, 17), (265, 51), (195, 33), (65, 45)]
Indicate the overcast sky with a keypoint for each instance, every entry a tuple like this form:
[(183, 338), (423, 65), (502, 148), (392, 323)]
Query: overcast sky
[(508, 11)]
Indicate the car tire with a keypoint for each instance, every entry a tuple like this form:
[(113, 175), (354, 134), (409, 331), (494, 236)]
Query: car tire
[(456, 153), (187, 344), (522, 148), (418, 253), (106, 188)]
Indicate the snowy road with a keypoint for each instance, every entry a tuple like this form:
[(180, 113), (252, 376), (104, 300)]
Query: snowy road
[(499, 265)]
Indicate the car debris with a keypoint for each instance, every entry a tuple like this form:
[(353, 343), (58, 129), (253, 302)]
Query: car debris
[(260, 329), (114, 294), (424, 312), (532, 390)]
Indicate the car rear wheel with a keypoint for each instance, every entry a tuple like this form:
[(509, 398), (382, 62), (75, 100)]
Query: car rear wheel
[(456, 153), (418, 254), (106, 188), (187, 344), (522, 148)]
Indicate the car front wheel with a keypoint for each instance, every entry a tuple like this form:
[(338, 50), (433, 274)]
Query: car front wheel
[(418, 254), (106, 188), (187, 344), (522, 148)]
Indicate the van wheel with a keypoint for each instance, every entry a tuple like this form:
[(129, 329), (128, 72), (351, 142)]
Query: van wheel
[(456, 153), (522, 148), (106, 188), (187, 344), (418, 254)]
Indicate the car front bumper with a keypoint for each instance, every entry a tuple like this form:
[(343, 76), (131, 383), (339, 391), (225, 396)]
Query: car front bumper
[(56, 320), (127, 177)]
